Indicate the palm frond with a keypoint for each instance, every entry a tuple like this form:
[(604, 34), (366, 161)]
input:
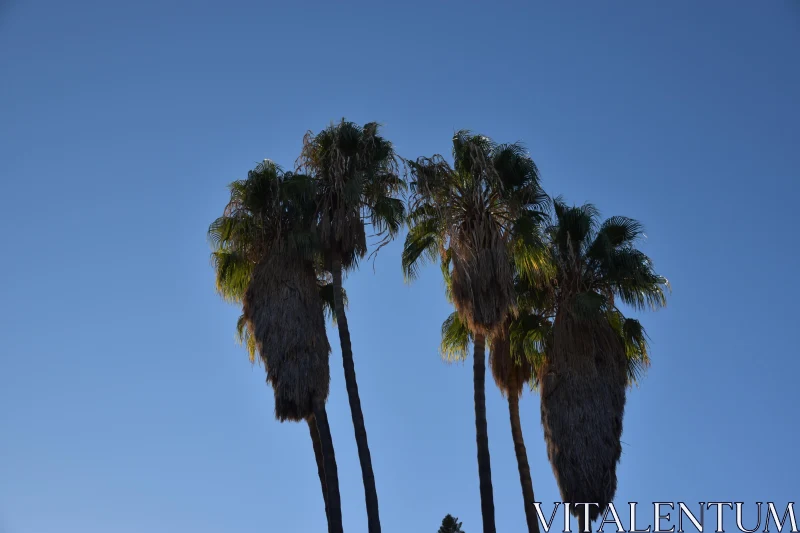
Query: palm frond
[(233, 272), (455, 339), (387, 215), (631, 276), (530, 333), (636, 349), (245, 338), (421, 245)]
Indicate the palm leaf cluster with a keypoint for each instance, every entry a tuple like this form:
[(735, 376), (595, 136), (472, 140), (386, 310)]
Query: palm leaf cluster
[(468, 215), (357, 177)]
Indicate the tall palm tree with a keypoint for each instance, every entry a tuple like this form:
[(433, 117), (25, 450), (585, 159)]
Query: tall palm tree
[(356, 174), (513, 357), (469, 215), (587, 367), (265, 259)]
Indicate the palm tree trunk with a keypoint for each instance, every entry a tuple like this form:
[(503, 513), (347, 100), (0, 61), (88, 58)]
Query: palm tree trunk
[(318, 456), (522, 463), (370, 492), (333, 502), (482, 434)]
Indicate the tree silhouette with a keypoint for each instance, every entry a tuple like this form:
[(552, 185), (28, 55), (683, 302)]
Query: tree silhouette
[(450, 524)]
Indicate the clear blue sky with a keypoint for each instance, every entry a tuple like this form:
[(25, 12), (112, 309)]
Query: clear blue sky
[(126, 406)]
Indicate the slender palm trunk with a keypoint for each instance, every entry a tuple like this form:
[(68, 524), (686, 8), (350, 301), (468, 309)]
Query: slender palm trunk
[(333, 502), (370, 492), (522, 463), (318, 456), (482, 434)]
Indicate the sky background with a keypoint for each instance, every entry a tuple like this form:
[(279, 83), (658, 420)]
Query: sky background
[(125, 404)]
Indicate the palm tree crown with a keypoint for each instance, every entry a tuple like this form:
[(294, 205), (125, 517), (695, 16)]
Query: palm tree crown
[(468, 215), (357, 178), (268, 212), (262, 243), (598, 263)]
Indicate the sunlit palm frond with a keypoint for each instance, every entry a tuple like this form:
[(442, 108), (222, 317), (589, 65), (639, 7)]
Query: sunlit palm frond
[(233, 272), (245, 338), (455, 339)]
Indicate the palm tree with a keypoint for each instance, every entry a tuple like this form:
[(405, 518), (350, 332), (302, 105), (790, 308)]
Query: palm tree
[(588, 363), (510, 373), (470, 216), (265, 259), (510, 376), (356, 175)]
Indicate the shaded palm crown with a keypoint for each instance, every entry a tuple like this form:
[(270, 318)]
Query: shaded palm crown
[(269, 212), (592, 351), (469, 215), (264, 257), (357, 178), (599, 263)]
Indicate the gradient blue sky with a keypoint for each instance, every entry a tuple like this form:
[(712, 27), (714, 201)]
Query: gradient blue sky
[(126, 406)]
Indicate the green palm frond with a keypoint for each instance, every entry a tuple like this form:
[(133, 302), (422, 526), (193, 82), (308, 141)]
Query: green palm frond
[(636, 348), (533, 261), (455, 339), (387, 215), (530, 334), (233, 273), (630, 274), (444, 265), (244, 338), (619, 231), (634, 338), (421, 245)]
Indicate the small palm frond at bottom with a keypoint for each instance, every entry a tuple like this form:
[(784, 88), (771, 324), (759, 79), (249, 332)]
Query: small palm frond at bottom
[(244, 337)]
